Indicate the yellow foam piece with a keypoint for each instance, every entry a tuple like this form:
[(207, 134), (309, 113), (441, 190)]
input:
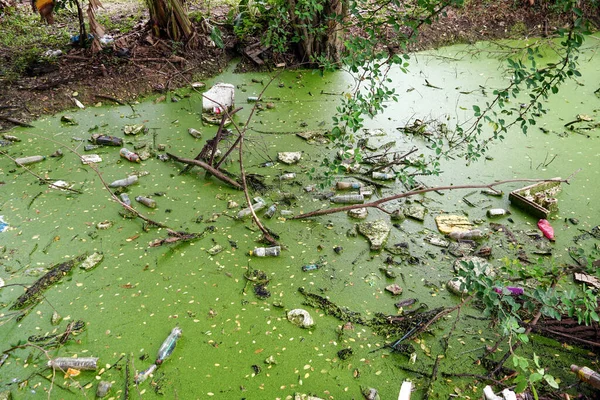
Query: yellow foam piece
[(453, 223)]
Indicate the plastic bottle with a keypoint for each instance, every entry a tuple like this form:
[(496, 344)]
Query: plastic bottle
[(587, 375), (105, 140), (310, 267), (195, 133), (246, 211), (271, 211), (102, 389), (474, 234), (348, 185), (167, 347), (148, 202), (252, 99), (348, 199), (497, 212), (382, 176), (83, 363), (125, 199), (142, 376), (267, 164), (266, 251), (90, 147), (130, 155), (130, 180), (288, 176), (29, 160)]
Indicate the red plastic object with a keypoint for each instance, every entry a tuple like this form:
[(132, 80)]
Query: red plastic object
[(546, 229)]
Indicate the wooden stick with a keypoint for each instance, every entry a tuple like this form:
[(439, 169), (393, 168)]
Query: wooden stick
[(16, 121), (218, 174)]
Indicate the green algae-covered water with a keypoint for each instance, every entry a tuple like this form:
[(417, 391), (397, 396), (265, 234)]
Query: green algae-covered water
[(236, 345)]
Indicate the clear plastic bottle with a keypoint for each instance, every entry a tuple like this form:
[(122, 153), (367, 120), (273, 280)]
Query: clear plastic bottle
[(348, 185), (90, 147), (167, 347), (83, 363), (125, 199), (310, 267), (142, 376), (256, 206), (148, 202), (382, 176), (348, 199), (130, 180), (271, 211), (29, 160), (266, 251), (103, 389), (129, 155)]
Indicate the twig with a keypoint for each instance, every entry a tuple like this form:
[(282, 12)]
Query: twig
[(102, 96), (215, 172), (16, 121)]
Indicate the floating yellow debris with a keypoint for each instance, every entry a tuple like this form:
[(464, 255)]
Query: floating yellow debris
[(453, 223), (71, 372)]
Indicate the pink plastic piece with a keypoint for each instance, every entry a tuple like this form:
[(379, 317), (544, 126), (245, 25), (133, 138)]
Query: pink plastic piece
[(546, 229)]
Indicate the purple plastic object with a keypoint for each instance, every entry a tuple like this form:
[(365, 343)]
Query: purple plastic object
[(514, 291)]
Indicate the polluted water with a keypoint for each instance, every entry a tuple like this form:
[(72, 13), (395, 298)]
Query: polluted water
[(233, 319)]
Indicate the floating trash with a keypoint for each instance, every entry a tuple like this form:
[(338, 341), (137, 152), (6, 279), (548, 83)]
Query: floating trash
[(83, 363), (90, 159), (289, 157), (3, 224), (376, 232), (300, 318)]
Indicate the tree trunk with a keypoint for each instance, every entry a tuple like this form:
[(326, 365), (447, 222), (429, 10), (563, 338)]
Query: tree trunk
[(170, 20), (322, 35)]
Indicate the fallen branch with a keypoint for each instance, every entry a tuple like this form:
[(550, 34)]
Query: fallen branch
[(101, 96), (16, 121), (377, 204), (218, 174)]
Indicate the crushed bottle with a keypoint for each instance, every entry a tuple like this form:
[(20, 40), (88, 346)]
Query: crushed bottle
[(129, 155), (83, 363), (288, 176), (29, 160), (474, 234), (271, 211), (142, 376), (125, 199), (103, 389), (148, 202), (106, 140), (130, 180), (168, 345), (266, 251)]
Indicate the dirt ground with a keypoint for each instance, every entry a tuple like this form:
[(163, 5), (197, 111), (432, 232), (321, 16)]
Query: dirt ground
[(138, 65)]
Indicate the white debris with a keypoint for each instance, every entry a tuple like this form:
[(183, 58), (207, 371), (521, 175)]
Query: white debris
[(219, 98)]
